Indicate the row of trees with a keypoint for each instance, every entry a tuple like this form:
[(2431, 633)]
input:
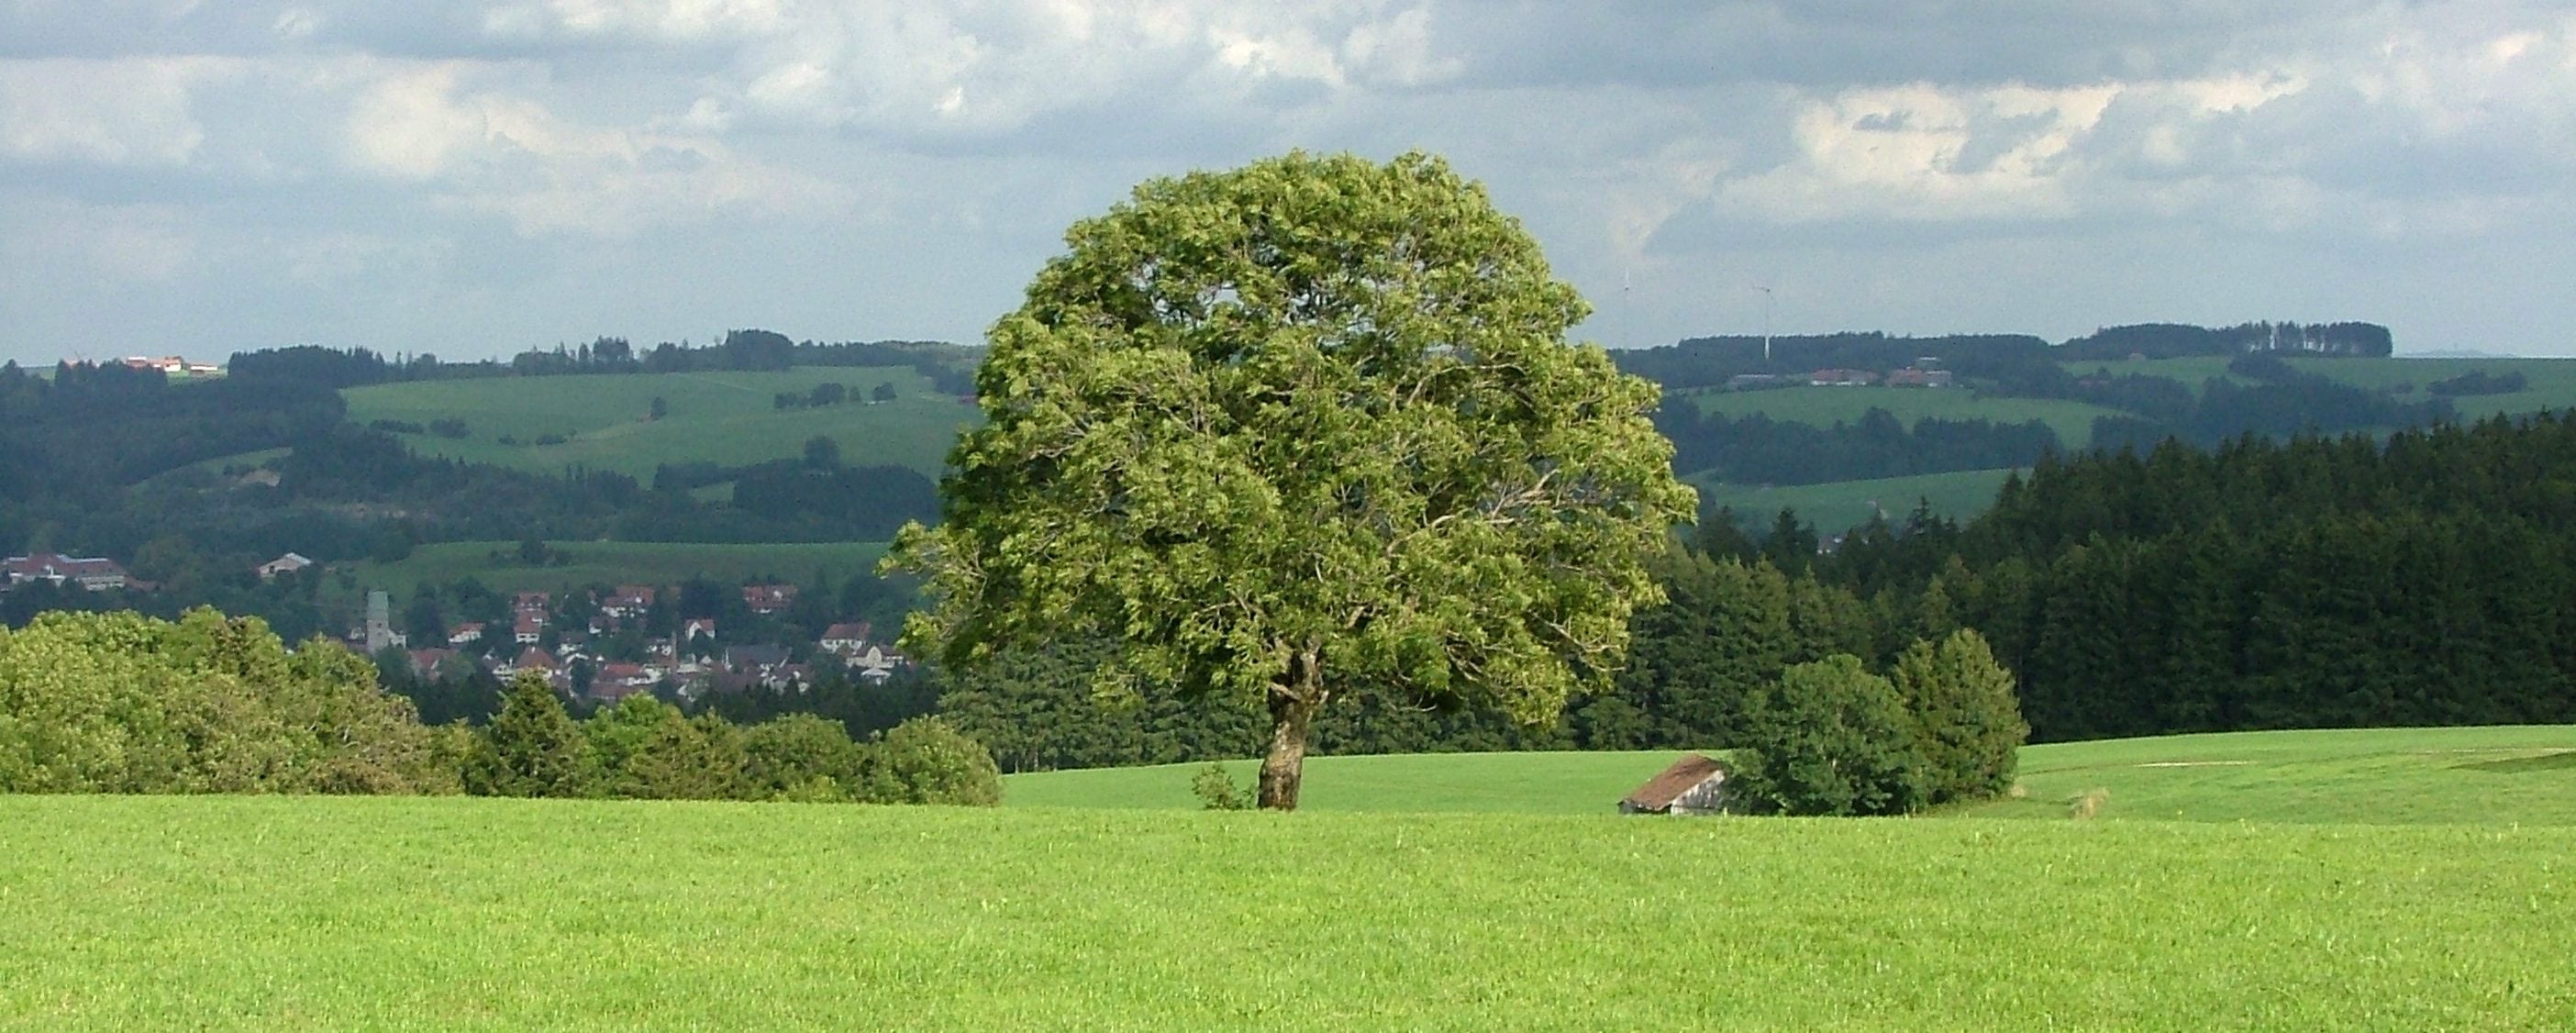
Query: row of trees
[(949, 367), (1756, 449), (643, 748), (123, 703)]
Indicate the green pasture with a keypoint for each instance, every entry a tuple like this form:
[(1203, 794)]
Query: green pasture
[(2402, 776), (609, 563), (720, 417), (384, 913), (2552, 382), (2192, 371), (1825, 406), (2492, 775), (1837, 505)]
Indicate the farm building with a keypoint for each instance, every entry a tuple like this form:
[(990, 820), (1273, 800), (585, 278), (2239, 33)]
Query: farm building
[(1693, 785)]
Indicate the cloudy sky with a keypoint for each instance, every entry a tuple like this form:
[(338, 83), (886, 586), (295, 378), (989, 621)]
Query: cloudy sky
[(473, 178)]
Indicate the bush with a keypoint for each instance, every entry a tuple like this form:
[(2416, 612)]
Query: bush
[(1967, 723), (926, 761), (1830, 738), (123, 703), (1217, 791)]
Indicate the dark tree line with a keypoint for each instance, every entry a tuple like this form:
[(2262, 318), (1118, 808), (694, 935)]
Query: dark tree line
[(1756, 449), (2174, 340), (950, 368)]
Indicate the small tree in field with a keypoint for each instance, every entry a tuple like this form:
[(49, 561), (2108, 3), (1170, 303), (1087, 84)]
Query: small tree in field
[(1300, 426), (1831, 738), (1967, 722)]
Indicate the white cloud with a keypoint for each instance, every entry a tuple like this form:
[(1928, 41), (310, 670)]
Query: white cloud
[(123, 111), (484, 149)]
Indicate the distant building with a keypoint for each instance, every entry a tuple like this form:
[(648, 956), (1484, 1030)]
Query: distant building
[(1693, 785), (1917, 376), (287, 564), (768, 598), (845, 639), (628, 601), (380, 625), (527, 631), (173, 366), (465, 634), (696, 627), (1842, 378), (1760, 381), (94, 573)]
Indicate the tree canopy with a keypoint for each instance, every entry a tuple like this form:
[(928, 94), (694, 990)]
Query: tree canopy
[(1314, 414)]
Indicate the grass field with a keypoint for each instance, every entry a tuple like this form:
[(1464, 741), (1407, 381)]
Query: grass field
[(1823, 406), (726, 417), (2552, 382), (605, 563), (2403, 776), (1836, 505), (335, 913)]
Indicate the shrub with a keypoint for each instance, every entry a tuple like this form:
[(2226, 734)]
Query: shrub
[(1830, 738), (123, 703), (1217, 791), (926, 761)]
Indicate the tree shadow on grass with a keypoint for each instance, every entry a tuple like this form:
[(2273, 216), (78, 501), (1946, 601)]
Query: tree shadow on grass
[(2559, 760)]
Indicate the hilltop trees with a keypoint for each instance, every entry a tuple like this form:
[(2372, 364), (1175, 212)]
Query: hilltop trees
[(1298, 428)]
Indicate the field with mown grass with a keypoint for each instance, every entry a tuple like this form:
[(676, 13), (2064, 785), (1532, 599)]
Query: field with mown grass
[(660, 563), (1825, 406), (720, 417), (2550, 383), (338, 913), (1836, 505), (2521, 774)]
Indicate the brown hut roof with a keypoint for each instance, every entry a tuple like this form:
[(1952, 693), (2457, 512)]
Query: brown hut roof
[(1660, 791)]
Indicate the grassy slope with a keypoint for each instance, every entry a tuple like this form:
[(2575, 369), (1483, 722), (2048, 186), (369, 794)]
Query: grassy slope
[(1823, 406), (439, 914), (2388, 776), (1836, 505), (613, 563), (2552, 382), (725, 417)]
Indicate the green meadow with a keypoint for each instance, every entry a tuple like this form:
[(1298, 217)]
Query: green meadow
[(2550, 383), (1825, 406), (1835, 505), (2396, 776), (339, 913), (609, 563), (718, 417)]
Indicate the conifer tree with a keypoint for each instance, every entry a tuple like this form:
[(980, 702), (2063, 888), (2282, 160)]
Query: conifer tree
[(532, 747), (1967, 724)]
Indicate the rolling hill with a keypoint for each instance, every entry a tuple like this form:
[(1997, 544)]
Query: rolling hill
[(2396, 776), (719, 417)]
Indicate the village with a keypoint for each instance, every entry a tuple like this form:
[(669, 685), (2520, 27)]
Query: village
[(596, 644), (601, 646)]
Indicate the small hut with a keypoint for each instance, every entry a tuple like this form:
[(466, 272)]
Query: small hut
[(1693, 785)]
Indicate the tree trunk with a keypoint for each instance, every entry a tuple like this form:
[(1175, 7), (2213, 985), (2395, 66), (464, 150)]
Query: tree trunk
[(1293, 703)]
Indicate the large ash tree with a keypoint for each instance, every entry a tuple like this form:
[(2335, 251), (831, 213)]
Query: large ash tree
[(1295, 429)]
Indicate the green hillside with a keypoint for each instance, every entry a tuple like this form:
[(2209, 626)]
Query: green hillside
[(1824, 406), (720, 417), (1835, 505), (2552, 382), (368, 913), (2493, 775), (496, 565)]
